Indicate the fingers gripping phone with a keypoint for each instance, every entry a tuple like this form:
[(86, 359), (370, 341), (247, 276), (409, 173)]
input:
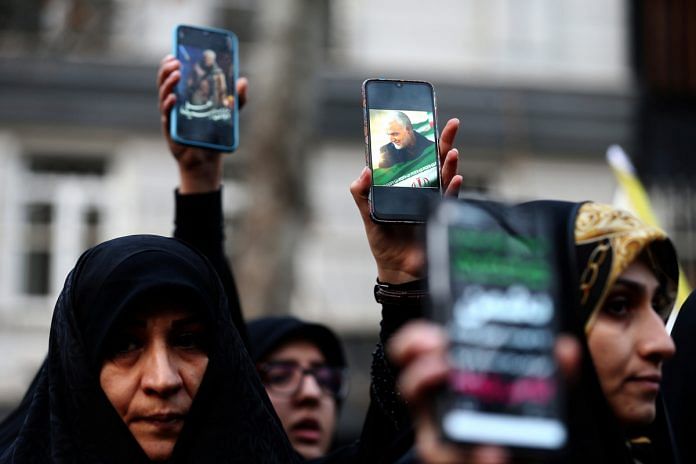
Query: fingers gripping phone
[(401, 140), (206, 112), (494, 287)]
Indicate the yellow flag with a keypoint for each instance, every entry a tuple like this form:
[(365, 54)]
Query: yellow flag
[(631, 195)]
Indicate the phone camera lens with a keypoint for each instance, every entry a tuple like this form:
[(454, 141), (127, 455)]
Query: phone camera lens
[(399, 84)]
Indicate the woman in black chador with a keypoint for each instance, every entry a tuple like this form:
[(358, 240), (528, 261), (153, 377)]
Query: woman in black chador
[(144, 364)]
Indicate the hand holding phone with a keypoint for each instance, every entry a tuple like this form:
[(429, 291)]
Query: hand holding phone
[(420, 350), (205, 113), (398, 248), (401, 140), (200, 168)]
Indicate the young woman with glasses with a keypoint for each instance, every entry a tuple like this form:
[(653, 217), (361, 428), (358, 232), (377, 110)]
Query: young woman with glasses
[(303, 368)]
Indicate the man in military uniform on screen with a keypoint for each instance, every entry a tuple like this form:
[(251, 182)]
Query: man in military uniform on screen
[(405, 143), (208, 80)]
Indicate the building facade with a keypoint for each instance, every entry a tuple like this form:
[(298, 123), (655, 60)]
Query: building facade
[(541, 87)]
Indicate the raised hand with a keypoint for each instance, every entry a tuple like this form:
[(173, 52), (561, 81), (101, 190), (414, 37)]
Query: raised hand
[(398, 248), (200, 168), (420, 350)]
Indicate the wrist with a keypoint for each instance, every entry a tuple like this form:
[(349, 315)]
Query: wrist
[(396, 277), (200, 180), (413, 293)]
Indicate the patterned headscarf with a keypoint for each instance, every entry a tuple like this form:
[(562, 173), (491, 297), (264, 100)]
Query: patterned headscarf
[(607, 241)]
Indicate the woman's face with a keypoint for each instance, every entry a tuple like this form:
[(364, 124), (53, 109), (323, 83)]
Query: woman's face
[(308, 414), (154, 365), (628, 343)]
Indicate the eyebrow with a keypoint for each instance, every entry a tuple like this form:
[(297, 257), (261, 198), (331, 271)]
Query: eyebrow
[(630, 283), (187, 321), (636, 286), (141, 323), (316, 363)]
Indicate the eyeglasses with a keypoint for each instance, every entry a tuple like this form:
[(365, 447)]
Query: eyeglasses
[(285, 378)]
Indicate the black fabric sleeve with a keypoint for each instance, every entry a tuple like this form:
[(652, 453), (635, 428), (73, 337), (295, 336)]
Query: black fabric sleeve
[(388, 419), (397, 313), (383, 389), (387, 434), (199, 222)]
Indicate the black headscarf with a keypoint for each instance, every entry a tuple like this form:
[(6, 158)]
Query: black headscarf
[(69, 418), (679, 381), (269, 333)]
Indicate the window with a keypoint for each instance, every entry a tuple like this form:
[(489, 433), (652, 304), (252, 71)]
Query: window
[(59, 164), (61, 216), (37, 256)]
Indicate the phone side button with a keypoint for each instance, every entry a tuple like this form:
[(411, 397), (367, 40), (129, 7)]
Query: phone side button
[(367, 154)]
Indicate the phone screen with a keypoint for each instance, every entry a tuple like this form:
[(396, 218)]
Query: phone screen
[(493, 285), (402, 148), (206, 110)]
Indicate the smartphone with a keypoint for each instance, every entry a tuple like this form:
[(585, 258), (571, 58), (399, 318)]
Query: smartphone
[(401, 140), (494, 287), (206, 113)]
